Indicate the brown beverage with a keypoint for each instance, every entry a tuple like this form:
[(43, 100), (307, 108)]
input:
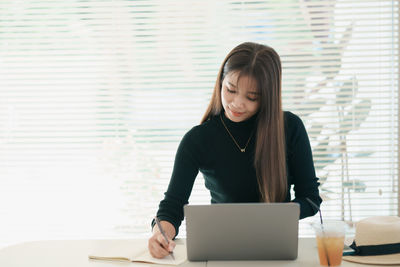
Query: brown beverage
[(330, 242), (330, 247)]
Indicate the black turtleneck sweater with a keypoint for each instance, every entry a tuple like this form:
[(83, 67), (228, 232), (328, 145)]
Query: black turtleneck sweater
[(230, 174)]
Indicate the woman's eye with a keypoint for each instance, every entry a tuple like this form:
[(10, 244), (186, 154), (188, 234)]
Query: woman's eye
[(252, 99), (230, 91)]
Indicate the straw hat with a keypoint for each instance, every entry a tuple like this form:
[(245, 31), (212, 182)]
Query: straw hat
[(377, 241)]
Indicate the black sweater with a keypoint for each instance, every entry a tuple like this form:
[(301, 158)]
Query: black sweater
[(230, 174)]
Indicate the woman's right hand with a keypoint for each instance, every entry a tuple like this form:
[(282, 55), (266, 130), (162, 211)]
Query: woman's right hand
[(158, 247)]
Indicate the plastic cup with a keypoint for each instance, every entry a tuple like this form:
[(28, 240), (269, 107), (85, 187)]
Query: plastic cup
[(330, 242)]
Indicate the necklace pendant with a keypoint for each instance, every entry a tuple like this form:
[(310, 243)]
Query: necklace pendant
[(243, 150)]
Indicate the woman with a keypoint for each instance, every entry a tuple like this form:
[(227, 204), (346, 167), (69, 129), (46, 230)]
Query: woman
[(247, 148)]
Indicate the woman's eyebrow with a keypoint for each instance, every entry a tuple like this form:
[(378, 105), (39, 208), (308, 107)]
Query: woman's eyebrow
[(250, 92), (254, 93), (231, 84)]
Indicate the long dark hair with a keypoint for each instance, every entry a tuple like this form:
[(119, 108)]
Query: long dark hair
[(263, 64)]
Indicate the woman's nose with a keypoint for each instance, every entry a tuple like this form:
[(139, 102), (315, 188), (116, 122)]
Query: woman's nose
[(238, 102)]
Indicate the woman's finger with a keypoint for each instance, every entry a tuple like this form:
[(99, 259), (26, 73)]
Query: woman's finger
[(168, 246), (159, 251), (161, 240), (158, 247), (171, 246)]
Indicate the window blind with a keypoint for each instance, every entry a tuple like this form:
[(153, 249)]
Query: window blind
[(96, 95)]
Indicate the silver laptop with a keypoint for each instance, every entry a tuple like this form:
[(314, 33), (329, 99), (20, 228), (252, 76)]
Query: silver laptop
[(242, 231)]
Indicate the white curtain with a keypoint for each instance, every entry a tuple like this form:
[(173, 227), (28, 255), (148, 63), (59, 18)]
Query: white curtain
[(96, 95)]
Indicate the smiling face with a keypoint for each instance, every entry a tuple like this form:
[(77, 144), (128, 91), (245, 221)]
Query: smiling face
[(240, 98)]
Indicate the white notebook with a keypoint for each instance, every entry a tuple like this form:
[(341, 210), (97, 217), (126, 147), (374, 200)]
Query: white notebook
[(133, 250)]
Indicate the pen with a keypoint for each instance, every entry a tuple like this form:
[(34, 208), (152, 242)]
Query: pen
[(163, 234)]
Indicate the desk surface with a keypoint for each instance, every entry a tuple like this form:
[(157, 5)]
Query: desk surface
[(75, 253)]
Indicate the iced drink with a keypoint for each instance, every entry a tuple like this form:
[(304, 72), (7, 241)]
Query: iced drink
[(330, 242)]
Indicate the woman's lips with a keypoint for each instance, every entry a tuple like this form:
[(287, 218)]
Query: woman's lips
[(236, 114)]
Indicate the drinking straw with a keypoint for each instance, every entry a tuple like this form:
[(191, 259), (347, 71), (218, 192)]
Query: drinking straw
[(320, 214)]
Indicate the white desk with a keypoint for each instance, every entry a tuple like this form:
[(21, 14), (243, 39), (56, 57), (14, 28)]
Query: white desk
[(74, 253)]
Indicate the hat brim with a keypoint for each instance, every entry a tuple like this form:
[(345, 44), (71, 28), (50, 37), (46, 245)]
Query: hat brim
[(390, 259)]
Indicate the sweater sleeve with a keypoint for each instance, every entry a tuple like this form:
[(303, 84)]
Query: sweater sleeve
[(185, 170), (301, 167)]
